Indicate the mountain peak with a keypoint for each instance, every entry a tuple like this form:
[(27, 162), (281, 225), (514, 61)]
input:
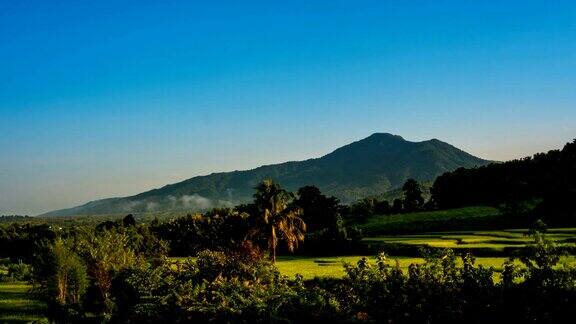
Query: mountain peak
[(385, 136), (368, 167)]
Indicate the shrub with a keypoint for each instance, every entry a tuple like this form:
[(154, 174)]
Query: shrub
[(63, 277)]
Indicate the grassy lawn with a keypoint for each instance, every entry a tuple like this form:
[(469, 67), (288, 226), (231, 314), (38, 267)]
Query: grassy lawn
[(332, 267), (311, 267), (471, 240), (17, 304), (429, 221)]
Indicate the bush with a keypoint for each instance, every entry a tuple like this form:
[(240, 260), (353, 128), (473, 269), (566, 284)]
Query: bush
[(13, 272)]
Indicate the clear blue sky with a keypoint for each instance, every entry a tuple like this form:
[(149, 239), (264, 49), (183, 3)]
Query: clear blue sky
[(107, 98)]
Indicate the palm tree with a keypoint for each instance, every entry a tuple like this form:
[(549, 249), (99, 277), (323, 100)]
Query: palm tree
[(281, 218)]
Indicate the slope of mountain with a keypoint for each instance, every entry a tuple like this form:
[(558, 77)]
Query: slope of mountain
[(371, 166)]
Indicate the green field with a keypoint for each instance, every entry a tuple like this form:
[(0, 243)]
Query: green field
[(311, 267), (17, 305), (428, 221), (460, 242), (485, 242)]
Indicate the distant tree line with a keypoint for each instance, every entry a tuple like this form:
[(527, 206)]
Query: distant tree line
[(15, 218), (412, 201), (307, 219)]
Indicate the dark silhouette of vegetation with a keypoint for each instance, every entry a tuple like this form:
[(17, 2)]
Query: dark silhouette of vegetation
[(548, 179), (318, 211), (18, 241), (280, 217), (413, 199), (219, 229)]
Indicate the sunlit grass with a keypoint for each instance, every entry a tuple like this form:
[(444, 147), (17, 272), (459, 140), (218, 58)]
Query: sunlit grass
[(17, 305)]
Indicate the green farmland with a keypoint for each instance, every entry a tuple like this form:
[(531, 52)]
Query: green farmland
[(333, 267), (497, 242), (429, 221), (17, 305)]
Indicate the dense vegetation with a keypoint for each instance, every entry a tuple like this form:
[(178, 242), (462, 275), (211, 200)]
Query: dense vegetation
[(241, 285), (548, 178)]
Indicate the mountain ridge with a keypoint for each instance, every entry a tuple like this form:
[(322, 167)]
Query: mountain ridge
[(375, 164)]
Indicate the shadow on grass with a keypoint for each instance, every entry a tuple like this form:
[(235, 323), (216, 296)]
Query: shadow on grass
[(17, 305)]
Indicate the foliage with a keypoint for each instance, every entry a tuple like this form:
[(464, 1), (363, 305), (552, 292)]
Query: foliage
[(61, 274), (413, 199), (219, 229), (220, 287), (362, 210), (19, 241), (547, 177), (14, 272), (106, 254), (318, 211), (279, 217)]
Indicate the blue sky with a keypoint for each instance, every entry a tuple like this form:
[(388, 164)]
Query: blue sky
[(111, 98)]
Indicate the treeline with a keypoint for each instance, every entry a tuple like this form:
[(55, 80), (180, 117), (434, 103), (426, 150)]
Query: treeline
[(549, 179), (412, 201), (19, 241), (330, 227), (15, 218), (307, 220)]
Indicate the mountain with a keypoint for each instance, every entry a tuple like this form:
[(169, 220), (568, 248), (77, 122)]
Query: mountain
[(371, 166)]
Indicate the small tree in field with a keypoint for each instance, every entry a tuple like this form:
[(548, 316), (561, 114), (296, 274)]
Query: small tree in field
[(280, 217), (413, 199)]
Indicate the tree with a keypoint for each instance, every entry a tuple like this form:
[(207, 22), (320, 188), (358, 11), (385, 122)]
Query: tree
[(397, 206), (412, 195), (105, 254), (279, 215), (318, 211), (129, 221), (61, 274)]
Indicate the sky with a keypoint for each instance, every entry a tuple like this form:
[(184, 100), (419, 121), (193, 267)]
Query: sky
[(112, 98)]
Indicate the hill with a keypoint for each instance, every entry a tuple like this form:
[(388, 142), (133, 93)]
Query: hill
[(368, 167)]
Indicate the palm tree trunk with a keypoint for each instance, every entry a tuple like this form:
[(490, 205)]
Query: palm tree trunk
[(273, 249)]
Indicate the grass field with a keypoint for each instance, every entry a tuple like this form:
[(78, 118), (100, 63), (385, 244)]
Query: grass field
[(332, 267), (429, 221), (17, 304), (471, 241), (310, 267), (463, 241), (499, 241)]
